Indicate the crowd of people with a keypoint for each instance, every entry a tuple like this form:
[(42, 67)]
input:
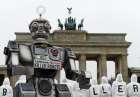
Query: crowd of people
[(119, 88)]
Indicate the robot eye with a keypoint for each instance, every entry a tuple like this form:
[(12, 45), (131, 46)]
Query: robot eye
[(34, 26), (47, 26)]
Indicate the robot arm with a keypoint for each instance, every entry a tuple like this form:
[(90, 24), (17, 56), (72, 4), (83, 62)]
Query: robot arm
[(69, 65), (72, 73), (13, 59), (11, 52)]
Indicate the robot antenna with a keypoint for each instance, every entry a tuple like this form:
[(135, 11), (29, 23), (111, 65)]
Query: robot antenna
[(41, 10)]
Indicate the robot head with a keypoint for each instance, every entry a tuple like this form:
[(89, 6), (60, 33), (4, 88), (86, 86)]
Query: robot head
[(119, 78), (104, 80), (134, 78), (6, 81), (40, 28)]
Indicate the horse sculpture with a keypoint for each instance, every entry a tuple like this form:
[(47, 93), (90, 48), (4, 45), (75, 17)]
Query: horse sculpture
[(80, 25), (70, 24), (60, 24)]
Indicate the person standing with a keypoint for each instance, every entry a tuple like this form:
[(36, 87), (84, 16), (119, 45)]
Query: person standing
[(94, 89), (6, 90), (119, 87), (105, 88), (133, 88)]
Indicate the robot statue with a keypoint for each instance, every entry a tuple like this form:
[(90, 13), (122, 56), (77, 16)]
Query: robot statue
[(40, 62)]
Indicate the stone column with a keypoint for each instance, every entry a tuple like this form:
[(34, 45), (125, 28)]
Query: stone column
[(101, 66), (122, 66), (82, 62)]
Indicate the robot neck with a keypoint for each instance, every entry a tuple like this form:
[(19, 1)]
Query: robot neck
[(41, 41)]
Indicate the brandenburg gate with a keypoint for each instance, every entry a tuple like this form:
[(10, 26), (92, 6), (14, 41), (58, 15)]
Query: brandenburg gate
[(100, 47)]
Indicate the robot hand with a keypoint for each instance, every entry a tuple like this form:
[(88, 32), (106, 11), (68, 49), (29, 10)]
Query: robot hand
[(84, 80)]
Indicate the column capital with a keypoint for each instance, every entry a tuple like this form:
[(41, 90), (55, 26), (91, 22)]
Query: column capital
[(82, 55)]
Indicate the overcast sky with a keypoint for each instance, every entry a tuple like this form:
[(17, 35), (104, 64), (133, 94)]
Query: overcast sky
[(101, 16)]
